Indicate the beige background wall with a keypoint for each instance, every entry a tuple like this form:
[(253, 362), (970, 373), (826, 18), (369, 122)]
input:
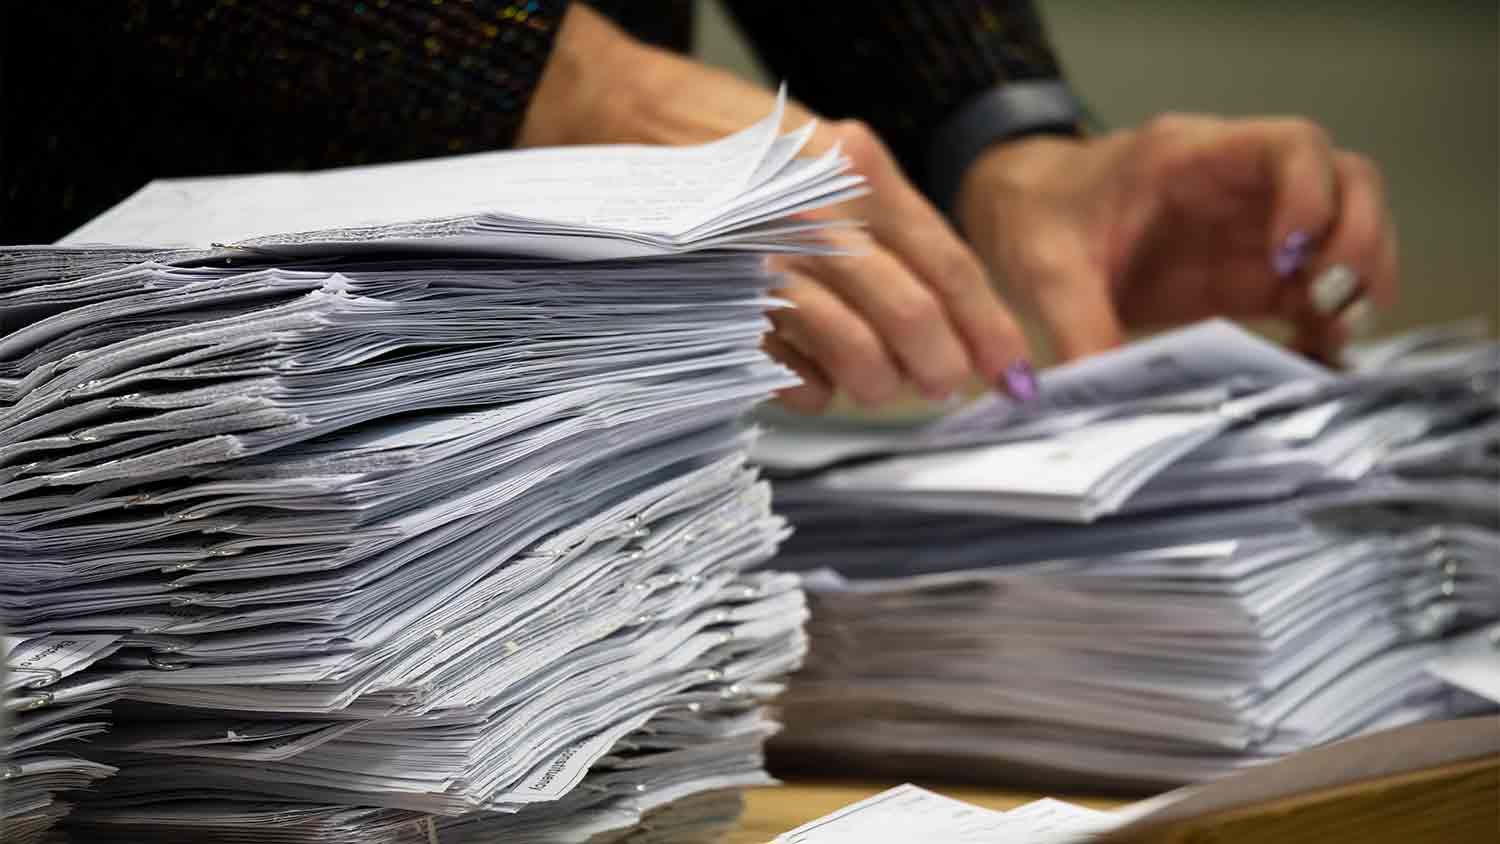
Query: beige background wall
[(1415, 85)]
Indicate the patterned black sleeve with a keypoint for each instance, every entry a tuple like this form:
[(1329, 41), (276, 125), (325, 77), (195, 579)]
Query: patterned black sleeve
[(99, 98)]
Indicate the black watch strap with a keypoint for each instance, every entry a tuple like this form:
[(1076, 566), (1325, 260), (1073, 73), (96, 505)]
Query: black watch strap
[(1011, 110)]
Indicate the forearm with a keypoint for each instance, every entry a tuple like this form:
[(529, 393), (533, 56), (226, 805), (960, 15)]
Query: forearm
[(1025, 166), (603, 86)]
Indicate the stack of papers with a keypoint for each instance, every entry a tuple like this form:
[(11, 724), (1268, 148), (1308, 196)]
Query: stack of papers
[(1196, 554), (427, 521)]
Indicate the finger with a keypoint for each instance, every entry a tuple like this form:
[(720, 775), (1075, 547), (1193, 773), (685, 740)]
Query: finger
[(1317, 332), (814, 393), (1321, 339), (1390, 266), (902, 220), (834, 337), (1363, 239), (1298, 159), (1322, 329), (1356, 267), (1072, 297), (906, 315)]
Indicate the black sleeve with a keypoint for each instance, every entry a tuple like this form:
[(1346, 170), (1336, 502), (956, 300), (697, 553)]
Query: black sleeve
[(99, 98), (939, 80)]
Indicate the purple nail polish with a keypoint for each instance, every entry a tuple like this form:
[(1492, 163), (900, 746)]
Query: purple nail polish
[(1292, 254), (1020, 381)]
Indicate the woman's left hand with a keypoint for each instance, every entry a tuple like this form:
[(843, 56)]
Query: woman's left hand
[(1184, 218)]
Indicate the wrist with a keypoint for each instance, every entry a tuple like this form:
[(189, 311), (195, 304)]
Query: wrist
[(601, 86), (1005, 168), (674, 100), (578, 95)]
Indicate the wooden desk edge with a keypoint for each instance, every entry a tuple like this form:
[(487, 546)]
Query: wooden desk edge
[(1190, 828)]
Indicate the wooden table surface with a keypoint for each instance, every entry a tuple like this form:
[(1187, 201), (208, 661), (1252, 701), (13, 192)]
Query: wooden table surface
[(771, 811), (1456, 803)]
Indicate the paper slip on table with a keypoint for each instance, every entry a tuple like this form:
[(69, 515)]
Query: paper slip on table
[(771, 811)]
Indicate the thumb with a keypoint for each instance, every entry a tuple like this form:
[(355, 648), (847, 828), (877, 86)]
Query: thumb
[(1076, 303)]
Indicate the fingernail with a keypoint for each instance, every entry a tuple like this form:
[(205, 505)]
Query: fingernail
[(1333, 288), (1020, 381), (1359, 318), (1293, 252)]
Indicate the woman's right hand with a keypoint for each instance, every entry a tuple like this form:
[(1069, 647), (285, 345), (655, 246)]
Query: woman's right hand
[(908, 306)]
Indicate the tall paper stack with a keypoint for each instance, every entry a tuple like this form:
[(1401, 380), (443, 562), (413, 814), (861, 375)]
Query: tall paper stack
[(1193, 555), (429, 521)]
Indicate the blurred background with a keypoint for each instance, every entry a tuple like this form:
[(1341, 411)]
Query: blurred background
[(1414, 85)]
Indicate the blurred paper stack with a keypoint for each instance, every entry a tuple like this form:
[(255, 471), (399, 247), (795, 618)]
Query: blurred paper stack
[(34, 766), (428, 522), (1192, 555)]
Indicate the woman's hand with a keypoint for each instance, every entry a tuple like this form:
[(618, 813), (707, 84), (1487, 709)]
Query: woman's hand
[(909, 306), (1185, 218)]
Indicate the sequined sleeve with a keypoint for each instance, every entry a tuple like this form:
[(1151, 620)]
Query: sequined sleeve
[(100, 98), (904, 66)]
